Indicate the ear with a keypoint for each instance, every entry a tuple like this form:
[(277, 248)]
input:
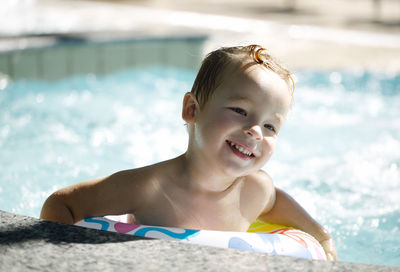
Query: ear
[(190, 108)]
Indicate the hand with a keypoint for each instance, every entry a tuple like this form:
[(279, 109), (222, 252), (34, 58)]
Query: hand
[(330, 249)]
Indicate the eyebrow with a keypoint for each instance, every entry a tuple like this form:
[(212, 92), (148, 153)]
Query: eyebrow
[(240, 98), (279, 117)]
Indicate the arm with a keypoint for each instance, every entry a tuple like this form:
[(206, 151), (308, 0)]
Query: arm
[(116, 194), (286, 211)]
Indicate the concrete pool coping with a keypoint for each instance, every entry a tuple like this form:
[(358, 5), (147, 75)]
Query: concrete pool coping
[(28, 243)]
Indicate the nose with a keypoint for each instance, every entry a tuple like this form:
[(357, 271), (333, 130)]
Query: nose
[(254, 131)]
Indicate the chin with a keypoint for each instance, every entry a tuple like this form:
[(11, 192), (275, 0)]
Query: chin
[(238, 171)]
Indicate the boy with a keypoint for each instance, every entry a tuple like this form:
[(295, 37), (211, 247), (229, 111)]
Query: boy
[(234, 112)]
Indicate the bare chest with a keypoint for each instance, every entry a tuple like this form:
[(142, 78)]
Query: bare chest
[(190, 212)]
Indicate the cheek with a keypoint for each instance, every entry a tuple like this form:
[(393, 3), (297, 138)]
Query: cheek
[(218, 124), (213, 131), (269, 146)]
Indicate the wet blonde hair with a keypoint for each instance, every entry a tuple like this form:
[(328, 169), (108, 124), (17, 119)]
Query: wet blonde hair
[(216, 63)]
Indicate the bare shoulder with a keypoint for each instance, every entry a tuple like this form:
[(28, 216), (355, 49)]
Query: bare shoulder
[(260, 180), (120, 193), (144, 183), (259, 192), (138, 183)]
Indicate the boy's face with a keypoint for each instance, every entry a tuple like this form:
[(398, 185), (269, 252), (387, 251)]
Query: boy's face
[(237, 128)]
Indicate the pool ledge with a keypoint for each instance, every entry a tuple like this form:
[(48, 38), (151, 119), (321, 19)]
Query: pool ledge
[(30, 244)]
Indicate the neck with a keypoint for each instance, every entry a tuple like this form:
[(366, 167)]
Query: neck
[(198, 176)]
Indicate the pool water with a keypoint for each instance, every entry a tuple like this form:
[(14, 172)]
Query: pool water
[(338, 154)]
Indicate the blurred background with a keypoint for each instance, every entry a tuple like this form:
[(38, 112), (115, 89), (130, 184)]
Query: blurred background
[(339, 33), (77, 79)]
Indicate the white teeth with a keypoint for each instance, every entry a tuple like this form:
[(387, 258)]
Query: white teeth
[(241, 149)]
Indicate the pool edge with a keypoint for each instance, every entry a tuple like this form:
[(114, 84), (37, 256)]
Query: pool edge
[(54, 58), (30, 243)]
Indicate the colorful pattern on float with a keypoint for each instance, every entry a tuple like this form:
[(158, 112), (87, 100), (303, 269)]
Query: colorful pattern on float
[(261, 237)]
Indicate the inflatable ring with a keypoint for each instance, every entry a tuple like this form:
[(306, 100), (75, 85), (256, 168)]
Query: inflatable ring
[(261, 237)]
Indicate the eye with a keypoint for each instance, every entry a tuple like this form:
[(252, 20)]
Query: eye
[(240, 111), (270, 127)]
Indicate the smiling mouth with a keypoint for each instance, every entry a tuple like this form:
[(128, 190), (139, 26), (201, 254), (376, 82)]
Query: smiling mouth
[(242, 151)]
